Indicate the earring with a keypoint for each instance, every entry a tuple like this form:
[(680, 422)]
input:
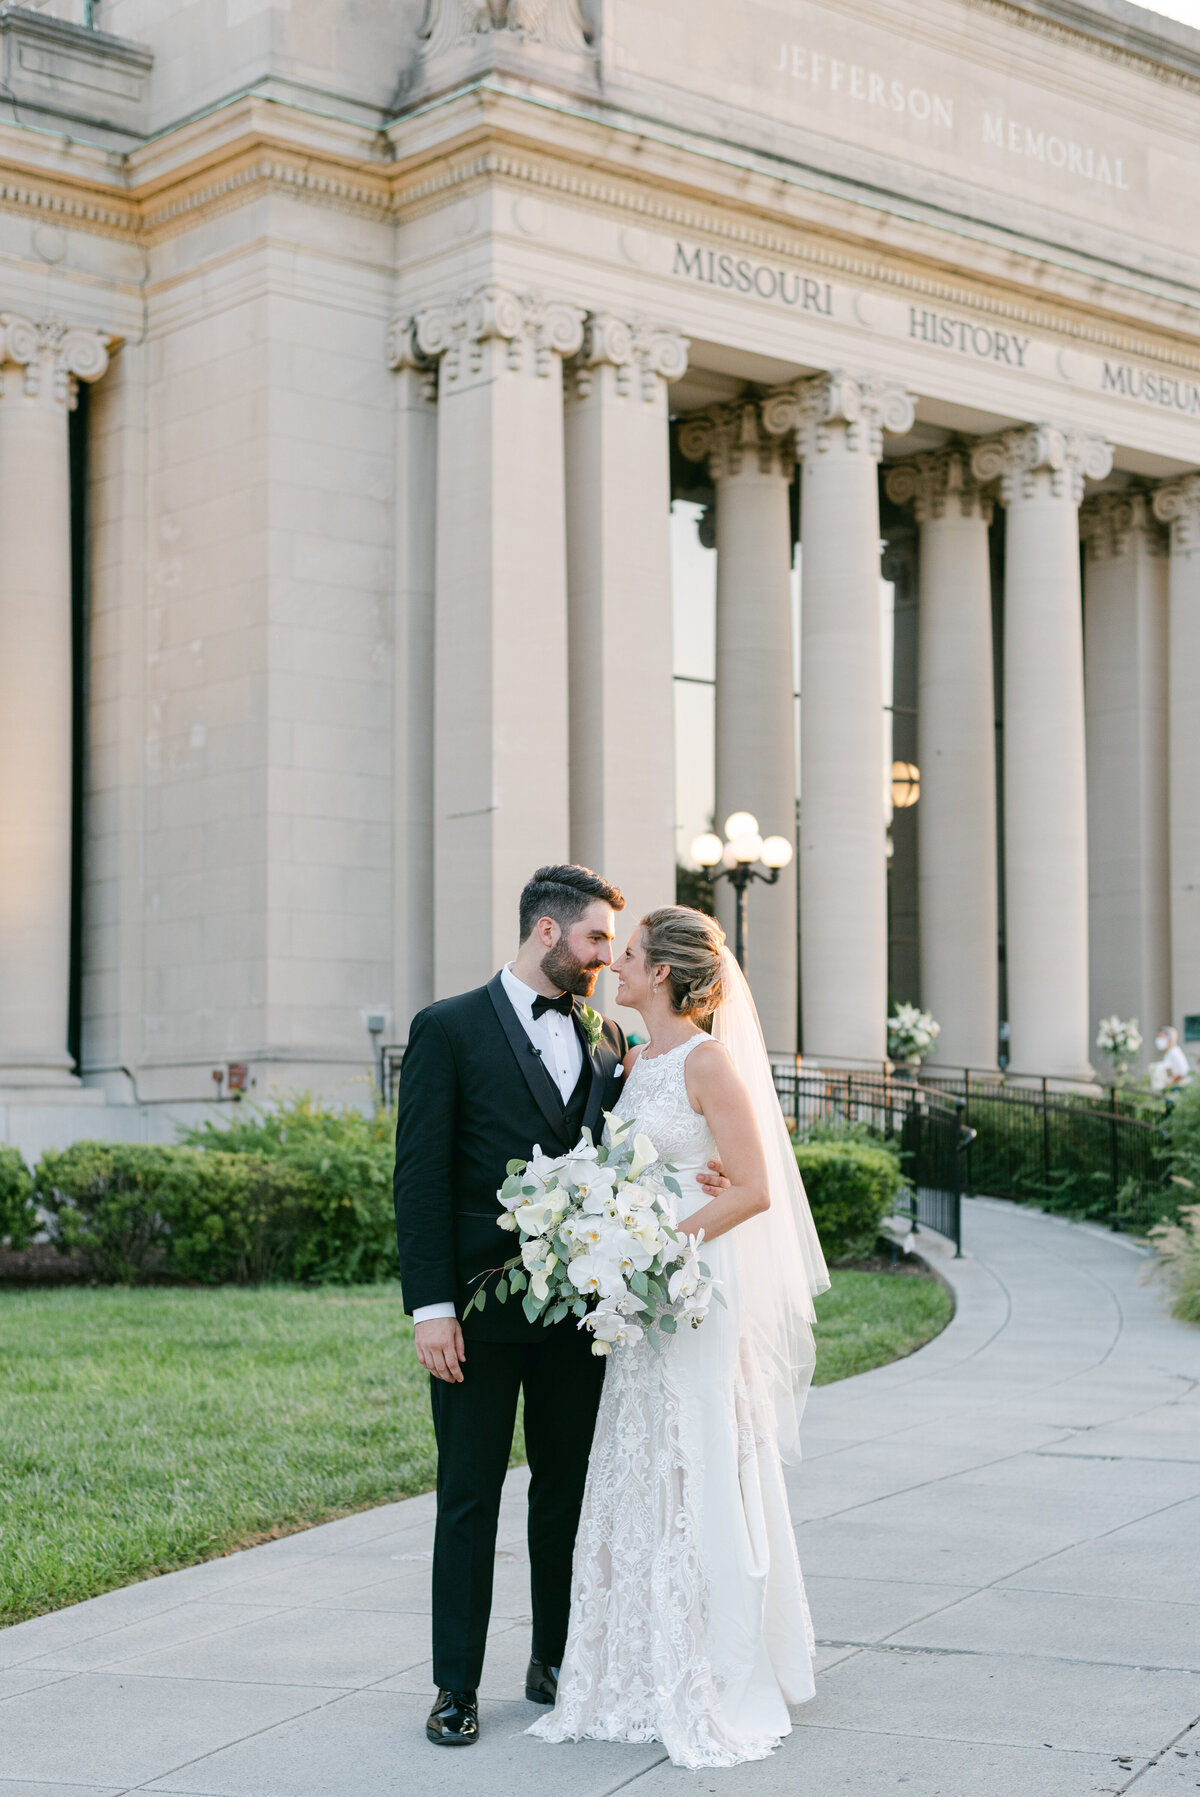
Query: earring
[(654, 985)]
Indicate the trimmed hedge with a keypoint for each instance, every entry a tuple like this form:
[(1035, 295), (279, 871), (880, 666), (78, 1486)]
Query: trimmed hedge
[(299, 1193), (851, 1185), (18, 1212)]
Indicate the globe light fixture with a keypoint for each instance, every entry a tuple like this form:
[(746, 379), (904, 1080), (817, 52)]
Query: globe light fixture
[(906, 784), (744, 856)]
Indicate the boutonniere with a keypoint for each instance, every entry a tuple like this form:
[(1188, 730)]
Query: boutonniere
[(593, 1026)]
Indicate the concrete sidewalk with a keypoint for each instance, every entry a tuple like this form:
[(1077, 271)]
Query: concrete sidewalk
[(1002, 1542)]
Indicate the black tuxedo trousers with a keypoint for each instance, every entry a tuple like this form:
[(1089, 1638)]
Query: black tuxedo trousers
[(474, 1095)]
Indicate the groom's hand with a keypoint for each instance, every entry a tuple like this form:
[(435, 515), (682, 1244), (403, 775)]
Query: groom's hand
[(713, 1179), (440, 1348)]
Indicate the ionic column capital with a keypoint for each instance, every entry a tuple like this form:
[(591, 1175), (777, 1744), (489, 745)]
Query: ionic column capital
[(54, 355), (1109, 523), (733, 439), (642, 354), (531, 328), (938, 482), (405, 355), (1178, 504), (1041, 460), (849, 411)]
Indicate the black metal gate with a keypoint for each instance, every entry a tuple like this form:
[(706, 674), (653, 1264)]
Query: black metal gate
[(928, 1128)]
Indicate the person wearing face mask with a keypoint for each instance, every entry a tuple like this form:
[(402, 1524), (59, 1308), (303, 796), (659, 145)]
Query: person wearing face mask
[(1174, 1067)]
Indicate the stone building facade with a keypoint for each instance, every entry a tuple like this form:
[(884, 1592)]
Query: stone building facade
[(352, 356)]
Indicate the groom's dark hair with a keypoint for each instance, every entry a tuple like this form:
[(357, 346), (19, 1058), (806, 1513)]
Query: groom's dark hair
[(564, 893)]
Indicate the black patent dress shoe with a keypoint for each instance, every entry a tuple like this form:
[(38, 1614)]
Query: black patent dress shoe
[(541, 1682), (454, 1719)]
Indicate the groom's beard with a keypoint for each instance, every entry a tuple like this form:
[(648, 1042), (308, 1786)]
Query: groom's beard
[(568, 973)]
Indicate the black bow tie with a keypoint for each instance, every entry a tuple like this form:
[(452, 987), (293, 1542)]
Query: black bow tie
[(562, 1004)]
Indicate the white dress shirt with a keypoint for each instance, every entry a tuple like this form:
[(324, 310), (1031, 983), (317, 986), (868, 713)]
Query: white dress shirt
[(557, 1042)]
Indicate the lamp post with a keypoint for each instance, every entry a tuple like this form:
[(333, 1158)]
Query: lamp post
[(743, 856)]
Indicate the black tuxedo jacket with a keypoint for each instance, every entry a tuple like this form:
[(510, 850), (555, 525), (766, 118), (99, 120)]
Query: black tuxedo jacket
[(474, 1095)]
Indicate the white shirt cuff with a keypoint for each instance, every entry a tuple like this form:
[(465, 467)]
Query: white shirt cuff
[(425, 1313)]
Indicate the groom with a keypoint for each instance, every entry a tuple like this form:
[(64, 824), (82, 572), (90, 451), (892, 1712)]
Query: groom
[(485, 1077)]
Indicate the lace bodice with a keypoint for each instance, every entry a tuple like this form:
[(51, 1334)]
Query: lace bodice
[(655, 1096)]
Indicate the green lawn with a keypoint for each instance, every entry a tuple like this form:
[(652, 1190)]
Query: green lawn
[(144, 1430)]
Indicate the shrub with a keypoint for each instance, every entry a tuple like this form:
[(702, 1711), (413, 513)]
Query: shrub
[(1178, 1263), (347, 1232), (18, 1212), (299, 1193), (852, 1185)]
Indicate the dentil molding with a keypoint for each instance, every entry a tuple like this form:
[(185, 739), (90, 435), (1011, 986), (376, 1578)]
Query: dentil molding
[(50, 350), (1041, 459)]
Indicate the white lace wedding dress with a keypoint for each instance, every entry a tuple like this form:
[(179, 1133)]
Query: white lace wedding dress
[(689, 1623)]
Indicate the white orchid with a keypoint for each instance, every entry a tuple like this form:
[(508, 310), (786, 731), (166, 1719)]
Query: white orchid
[(595, 1275), (610, 1329)]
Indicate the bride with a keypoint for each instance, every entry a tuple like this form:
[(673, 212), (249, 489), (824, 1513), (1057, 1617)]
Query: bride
[(689, 1624)]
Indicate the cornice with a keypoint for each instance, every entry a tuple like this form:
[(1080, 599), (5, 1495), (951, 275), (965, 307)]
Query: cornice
[(484, 138), (1169, 51)]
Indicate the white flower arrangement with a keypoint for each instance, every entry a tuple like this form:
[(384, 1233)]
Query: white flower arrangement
[(911, 1033), (599, 1242), (1119, 1040)]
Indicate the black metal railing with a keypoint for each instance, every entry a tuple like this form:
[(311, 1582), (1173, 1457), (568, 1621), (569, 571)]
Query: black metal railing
[(1102, 1155), (929, 1129)]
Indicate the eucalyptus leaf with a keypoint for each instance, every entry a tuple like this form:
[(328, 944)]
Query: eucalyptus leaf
[(502, 1291), (515, 1167), (667, 1322), (639, 1283), (517, 1280), (580, 1307), (672, 1185), (531, 1307)]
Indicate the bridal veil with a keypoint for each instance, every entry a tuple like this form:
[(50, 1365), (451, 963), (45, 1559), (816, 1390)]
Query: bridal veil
[(781, 1268)]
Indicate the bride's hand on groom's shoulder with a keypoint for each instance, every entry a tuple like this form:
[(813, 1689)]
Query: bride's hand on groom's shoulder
[(440, 1348), (713, 1179)]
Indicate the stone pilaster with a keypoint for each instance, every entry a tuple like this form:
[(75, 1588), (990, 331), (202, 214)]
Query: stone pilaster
[(40, 363), (1178, 505), (837, 422), (751, 469), (501, 749), (955, 753), (1041, 471), (413, 566), (622, 722)]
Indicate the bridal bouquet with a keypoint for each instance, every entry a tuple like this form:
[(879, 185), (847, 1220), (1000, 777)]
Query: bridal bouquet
[(598, 1241)]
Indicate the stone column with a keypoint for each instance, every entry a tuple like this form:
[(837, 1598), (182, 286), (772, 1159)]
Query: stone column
[(1041, 471), (900, 567), (622, 725), (40, 364), (956, 753), (838, 420), (1179, 506), (413, 689), (500, 686), (751, 470), (1125, 693)]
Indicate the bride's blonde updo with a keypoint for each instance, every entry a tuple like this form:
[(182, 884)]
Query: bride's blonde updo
[(690, 944)]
